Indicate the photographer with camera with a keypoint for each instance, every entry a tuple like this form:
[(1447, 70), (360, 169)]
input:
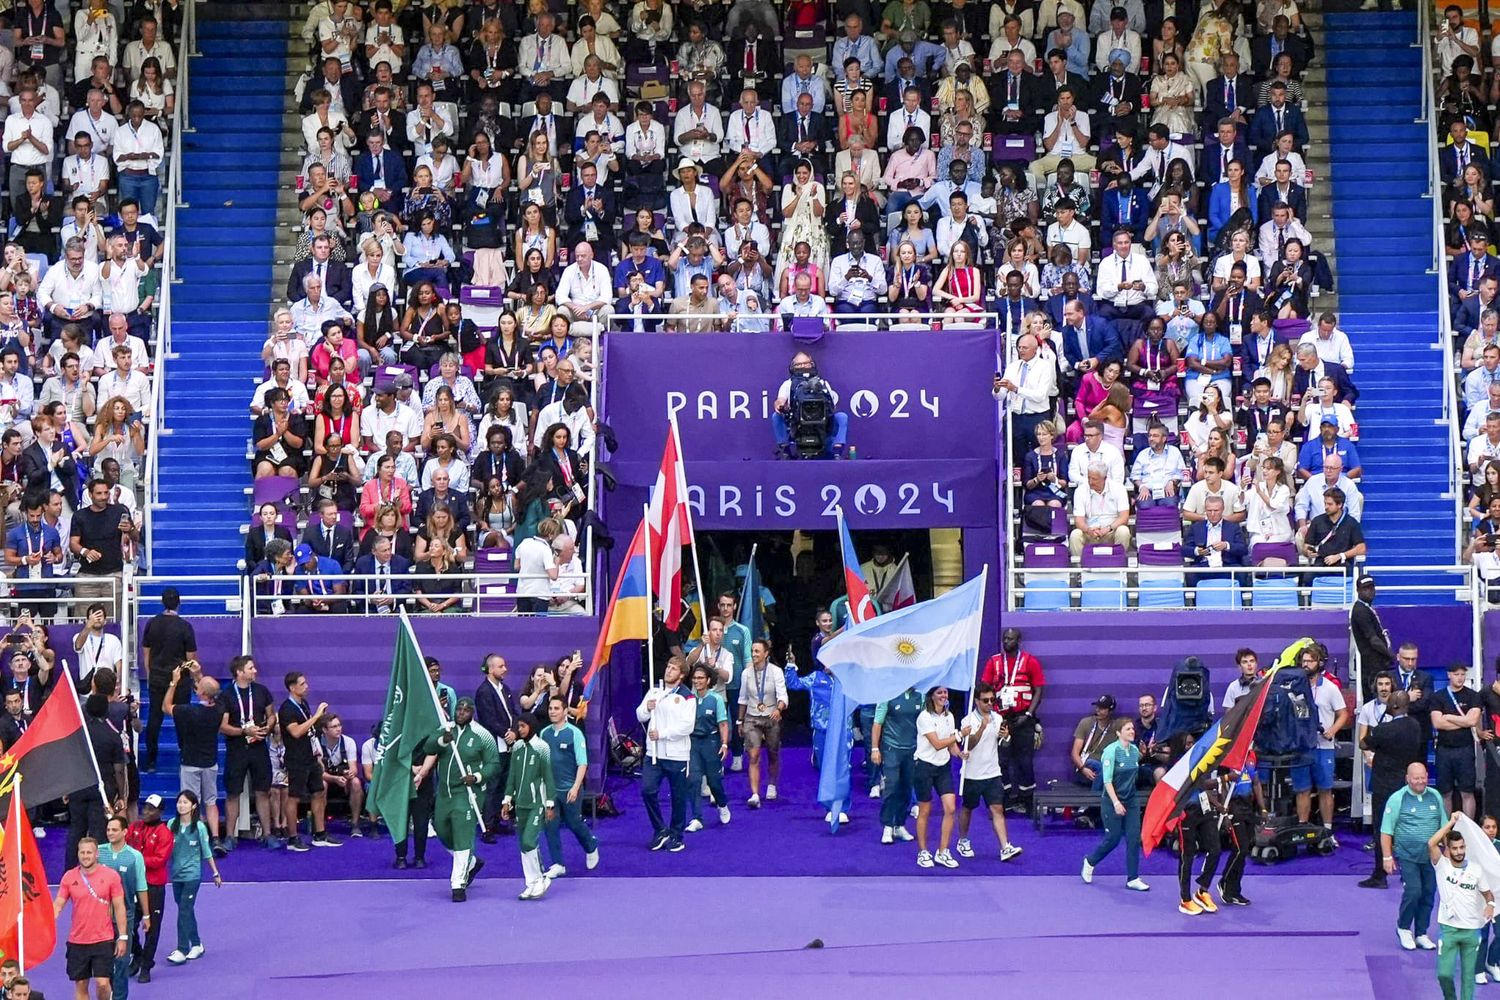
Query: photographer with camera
[(805, 422)]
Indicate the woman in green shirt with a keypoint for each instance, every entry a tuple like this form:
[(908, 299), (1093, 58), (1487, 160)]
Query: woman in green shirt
[(1118, 806), (191, 848)]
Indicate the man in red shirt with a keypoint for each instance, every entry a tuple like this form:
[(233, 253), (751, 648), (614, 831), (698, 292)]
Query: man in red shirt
[(1017, 678), (153, 839), (97, 934)]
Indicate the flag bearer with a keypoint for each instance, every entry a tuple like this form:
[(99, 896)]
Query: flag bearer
[(1465, 904), (467, 759)]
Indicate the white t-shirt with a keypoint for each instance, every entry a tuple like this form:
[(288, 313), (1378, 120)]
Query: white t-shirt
[(1237, 689), (1330, 701), (940, 726), (367, 756), (1372, 713), (984, 759), (99, 651), (533, 559), (1461, 895)]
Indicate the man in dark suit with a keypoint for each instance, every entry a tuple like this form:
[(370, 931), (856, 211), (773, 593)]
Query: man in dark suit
[(1116, 98), (1055, 78), (1017, 97), (906, 76), (1258, 414), (496, 710), (1282, 190), (1257, 339), (330, 539), (1460, 152), (499, 460), (1218, 149), (381, 171), (1311, 369), (1265, 49), (1088, 341), (384, 120), (802, 135), (1214, 542), (591, 213), (1070, 293), (338, 283), (752, 59), (1184, 12), (45, 456), (1230, 95), (1466, 321), (558, 127), (1275, 118), (336, 82), (1467, 270), (441, 495), (391, 583)]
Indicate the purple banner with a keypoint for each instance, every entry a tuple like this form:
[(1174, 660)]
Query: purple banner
[(906, 394), (748, 496)]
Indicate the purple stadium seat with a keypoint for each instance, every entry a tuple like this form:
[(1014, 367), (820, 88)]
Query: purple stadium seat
[(1045, 555), (1158, 519), (1103, 557), (475, 295), (1159, 554), (1013, 148), (385, 375), (274, 489), (495, 598), (1285, 552)]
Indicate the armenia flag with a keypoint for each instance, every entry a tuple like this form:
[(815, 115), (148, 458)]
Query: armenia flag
[(628, 615)]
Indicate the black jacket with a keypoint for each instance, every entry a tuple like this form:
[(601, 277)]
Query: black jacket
[(495, 711), (338, 282), (34, 470), (1396, 744), (1370, 639), (344, 549), (255, 544)]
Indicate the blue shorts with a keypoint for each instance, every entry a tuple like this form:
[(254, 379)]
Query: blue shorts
[(1315, 771), (1456, 770)]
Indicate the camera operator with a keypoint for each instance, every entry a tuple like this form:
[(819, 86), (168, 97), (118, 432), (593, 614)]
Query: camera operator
[(805, 422)]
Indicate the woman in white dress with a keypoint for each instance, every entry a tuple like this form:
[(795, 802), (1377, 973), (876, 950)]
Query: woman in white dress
[(1268, 501), (803, 203)]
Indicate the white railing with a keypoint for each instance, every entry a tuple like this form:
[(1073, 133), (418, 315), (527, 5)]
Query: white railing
[(474, 590), (1457, 480), (616, 323), (187, 50)]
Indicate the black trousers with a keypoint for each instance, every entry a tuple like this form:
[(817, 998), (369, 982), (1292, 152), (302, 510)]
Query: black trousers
[(1241, 839), (1018, 774), (1199, 834), (143, 948), (157, 686), (495, 793), (85, 819), (1380, 793), (421, 816)]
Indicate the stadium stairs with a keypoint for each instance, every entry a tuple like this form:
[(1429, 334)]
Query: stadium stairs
[(226, 232), (1378, 169)]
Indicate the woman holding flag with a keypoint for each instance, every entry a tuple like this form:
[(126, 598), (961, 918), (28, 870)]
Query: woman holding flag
[(1120, 808)]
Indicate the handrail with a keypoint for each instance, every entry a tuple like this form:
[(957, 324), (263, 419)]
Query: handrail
[(187, 49), (1456, 483)]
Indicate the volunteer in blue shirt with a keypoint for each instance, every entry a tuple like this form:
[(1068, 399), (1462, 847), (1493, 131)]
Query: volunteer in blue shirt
[(894, 735), (710, 746), (1412, 816), (1119, 807), (128, 863), (570, 765), (737, 640)]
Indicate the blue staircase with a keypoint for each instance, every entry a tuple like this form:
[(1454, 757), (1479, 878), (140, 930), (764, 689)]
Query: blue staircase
[(226, 239), (1388, 305)]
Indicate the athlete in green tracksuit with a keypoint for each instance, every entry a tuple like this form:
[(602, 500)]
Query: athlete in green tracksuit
[(466, 760), (531, 793)]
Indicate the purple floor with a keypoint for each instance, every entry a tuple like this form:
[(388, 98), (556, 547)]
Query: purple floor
[(1307, 935)]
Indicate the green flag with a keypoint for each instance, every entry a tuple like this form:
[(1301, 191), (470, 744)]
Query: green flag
[(411, 714)]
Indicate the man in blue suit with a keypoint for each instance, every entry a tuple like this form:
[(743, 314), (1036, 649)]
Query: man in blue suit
[(1467, 270), (1466, 321), (1088, 341), (1282, 189), (1230, 95), (1218, 149), (391, 581), (590, 212), (1275, 118), (1460, 152), (1124, 207), (382, 172), (1214, 542)]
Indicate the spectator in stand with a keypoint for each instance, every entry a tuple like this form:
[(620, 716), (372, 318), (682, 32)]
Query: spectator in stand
[(1268, 504), (1477, 382), (1158, 472), (1328, 443), (1311, 368), (1310, 496), (1101, 512), (1214, 486), (1333, 537), (1485, 447), (1215, 542)]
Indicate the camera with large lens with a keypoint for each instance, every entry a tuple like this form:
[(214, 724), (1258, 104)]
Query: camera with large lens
[(810, 413)]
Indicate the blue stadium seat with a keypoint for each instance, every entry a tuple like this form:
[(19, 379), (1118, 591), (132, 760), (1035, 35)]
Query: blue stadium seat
[(1046, 595), (1164, 593), (1220, 594), (1332, 591), (1277, 592), (1107, 595)]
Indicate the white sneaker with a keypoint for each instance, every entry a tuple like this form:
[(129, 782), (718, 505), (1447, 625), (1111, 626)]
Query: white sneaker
[(1426, 943), (875, 792), (964, 848), (591, 860), (1088, 872), (899, 832), (177, 958), (196, 951), (886, 837), (1407, 941), (945, 859), (530, 891), (542, 885), (723, 815), (924, 860), (703, 791), (1137, 885), (1494, 972), (694, 826), (39, 832), (1370, 5), (1009, 851), (843, 817), (556, 871), (770, 793), (753, 802), (737, 765), (1480, 979)]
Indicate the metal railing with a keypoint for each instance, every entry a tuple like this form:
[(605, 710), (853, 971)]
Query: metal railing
[(483, 594), (187, 50), (1457, 479), (617, 323)]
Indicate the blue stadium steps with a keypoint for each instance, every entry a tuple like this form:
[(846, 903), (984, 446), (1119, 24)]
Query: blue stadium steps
[(1387, 297), (226, 239)]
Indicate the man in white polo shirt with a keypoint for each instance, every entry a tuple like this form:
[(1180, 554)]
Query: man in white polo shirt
[(537, 568)]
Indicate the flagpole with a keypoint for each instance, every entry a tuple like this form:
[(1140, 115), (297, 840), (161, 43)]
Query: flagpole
[(687, 511), (963, 765), (437, 706), (650, 614), (109, 809), (16, 818)]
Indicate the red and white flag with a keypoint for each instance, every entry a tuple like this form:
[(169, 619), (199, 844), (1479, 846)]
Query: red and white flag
[(899, 591), (671, 527)]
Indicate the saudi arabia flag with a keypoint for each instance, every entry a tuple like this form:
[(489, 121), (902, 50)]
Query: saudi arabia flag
[(411, 714)]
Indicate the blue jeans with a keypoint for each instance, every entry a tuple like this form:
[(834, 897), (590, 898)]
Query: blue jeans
[(570, 815), (898, 767), (834, 440), (1418, 889), (1117, 828), (1489, 945), (119, 979), (675, 773), (185, 895), (706, 762), (144, 188)]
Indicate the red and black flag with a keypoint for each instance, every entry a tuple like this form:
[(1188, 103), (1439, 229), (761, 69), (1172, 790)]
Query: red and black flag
[(54, 755), (28, 928)]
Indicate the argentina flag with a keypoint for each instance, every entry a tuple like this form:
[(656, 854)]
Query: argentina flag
[(922, 646)]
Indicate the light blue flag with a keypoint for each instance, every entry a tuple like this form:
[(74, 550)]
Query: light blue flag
[(833, 756), (926, 645)]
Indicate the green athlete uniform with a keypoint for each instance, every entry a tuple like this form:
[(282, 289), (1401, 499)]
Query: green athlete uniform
[(466, 760), (530, 791)]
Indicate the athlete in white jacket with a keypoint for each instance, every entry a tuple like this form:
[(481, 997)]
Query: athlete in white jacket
[(668, 712)]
